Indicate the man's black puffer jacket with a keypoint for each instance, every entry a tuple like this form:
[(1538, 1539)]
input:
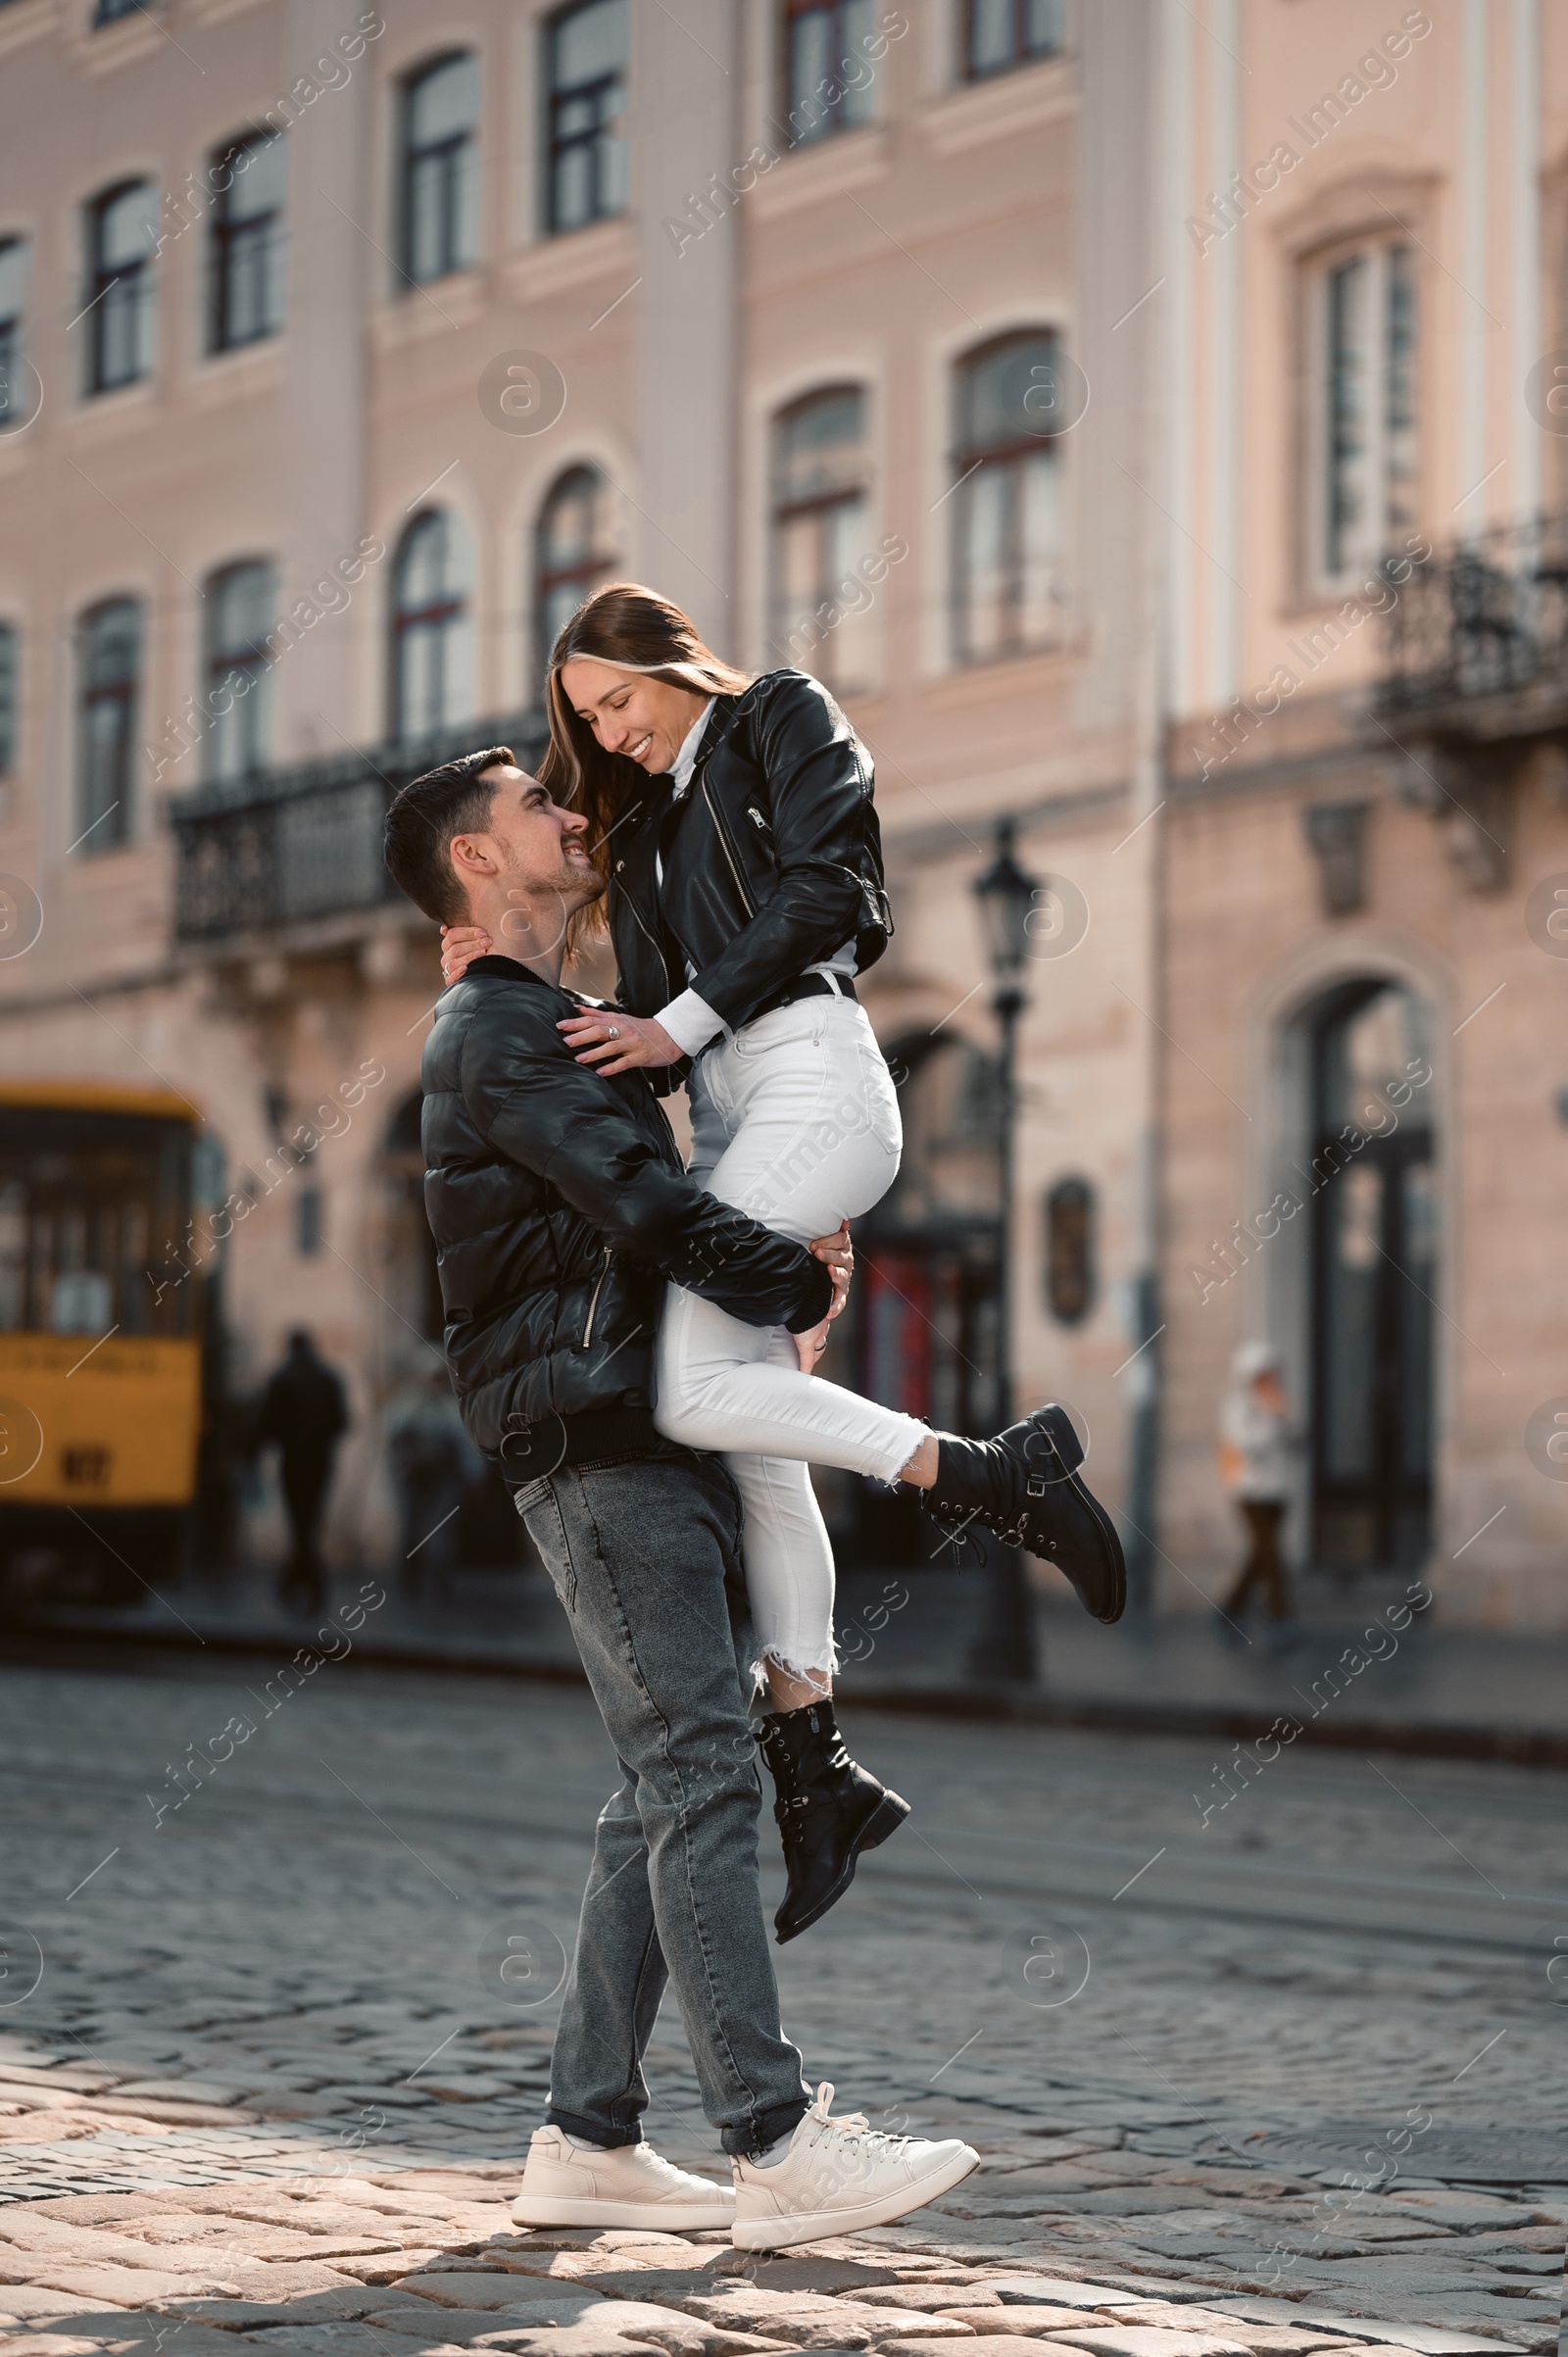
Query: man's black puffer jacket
[(559, 1206), (775, 860)]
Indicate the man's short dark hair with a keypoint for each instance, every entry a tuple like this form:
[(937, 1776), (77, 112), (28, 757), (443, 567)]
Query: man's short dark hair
[(454, 799)]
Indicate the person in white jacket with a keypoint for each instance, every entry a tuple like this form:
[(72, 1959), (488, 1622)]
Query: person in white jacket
[(1256, 1446)]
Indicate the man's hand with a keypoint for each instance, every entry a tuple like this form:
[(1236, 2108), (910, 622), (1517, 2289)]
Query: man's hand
[(837, 1252), (619, 1043), (460, 945)]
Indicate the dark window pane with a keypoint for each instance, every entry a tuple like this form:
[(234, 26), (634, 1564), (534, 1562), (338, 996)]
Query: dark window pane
[(247, 257), (15, 257), (586, 73), (122, 231), (441, 171), (109, 657), (574, 551), (241, 610), (8, 699), (432, 666)]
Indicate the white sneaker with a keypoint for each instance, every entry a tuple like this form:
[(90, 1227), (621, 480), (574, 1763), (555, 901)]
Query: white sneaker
[(839, 2175), (627, 2185)]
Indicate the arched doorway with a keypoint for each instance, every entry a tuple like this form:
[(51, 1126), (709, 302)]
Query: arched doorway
[(1374, 1275), (922, 1323)]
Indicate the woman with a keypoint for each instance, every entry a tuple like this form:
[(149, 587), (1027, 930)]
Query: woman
[(734, 819)]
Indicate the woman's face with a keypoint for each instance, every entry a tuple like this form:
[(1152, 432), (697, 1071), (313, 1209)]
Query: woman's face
[(646, 719)]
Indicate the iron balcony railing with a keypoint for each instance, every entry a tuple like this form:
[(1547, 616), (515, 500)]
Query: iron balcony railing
[(1487, 616), (288, 847)]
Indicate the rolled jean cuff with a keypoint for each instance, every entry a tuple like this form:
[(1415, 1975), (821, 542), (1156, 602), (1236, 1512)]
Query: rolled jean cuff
[(899, 1450), (765, 2128), (593, 2131)]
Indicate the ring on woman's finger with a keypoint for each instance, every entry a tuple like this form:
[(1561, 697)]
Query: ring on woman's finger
[(612, 1032)]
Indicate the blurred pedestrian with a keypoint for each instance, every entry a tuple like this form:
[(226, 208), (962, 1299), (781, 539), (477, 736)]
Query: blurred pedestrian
[(1256, 1448), (432, 1461), (304, 1413)]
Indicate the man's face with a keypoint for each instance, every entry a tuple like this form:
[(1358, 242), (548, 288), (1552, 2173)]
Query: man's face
[(530, 844)]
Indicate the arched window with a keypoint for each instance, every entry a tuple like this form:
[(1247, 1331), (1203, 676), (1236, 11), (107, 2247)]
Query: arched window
[(441, 169), (821, 525), (586, 68), (432, 631), (247, 254), (108, 661), (15, 405), (121, 234), (573, 551), (1008, 584), (1070, 1251), (241, 609)]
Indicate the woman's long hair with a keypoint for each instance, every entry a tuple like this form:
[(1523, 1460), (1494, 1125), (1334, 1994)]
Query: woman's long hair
[(638, 630)]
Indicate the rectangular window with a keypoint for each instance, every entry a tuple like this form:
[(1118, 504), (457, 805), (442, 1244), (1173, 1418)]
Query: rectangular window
[(247, 250), (8, 699), (1010, 543), (821, 521), (587, 83), (441, 169), (121, 236), (829, 74), (1365, 430), (109, 657), (1003, 33), (16, 378), (309, 1224)]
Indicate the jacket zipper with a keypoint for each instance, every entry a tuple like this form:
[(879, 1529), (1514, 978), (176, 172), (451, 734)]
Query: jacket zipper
[(722, 832), (655, 945), (593, 1303)]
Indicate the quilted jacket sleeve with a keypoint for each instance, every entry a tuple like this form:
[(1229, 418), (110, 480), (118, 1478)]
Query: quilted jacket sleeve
[(562, 1120)]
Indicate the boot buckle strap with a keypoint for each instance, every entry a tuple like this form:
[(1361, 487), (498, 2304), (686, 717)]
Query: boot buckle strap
[(1037, 1485)]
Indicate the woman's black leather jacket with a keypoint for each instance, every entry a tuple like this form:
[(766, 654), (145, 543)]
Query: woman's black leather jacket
[(774, 860)]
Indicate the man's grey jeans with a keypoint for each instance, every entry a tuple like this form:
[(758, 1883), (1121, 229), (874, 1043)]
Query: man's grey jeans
[(645, 1555)]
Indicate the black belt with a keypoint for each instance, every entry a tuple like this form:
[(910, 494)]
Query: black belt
[(544, 1447), (809, 986)]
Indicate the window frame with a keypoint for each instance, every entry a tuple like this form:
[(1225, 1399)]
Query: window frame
[(833, 123), (10, 697), (219, 667), (590, 573), (137, 276), (783, 510), (126, 695), (225, 235), (446, 612), (553, 146), (968, 461), (1020, 56), (1373, 248), (452, 149), (13, 340)]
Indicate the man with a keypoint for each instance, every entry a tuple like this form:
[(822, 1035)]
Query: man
[(560, 1209), (303, 1412)]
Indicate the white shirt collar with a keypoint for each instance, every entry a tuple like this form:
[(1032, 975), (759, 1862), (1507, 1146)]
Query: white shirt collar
[(686, 759)]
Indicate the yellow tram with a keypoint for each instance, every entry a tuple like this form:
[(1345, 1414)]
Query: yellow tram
[(101, 1327)]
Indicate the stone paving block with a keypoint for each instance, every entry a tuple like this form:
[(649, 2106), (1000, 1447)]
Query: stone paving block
[(1026, 2322), (815, 2320), (938, 2298), (490, 2291), (1150, 2340), (1430, 2340), (394, 2266), (680, 2334), (1055, 2291)]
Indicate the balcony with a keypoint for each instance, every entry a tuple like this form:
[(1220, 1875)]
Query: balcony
[(293, 848), (1477, 645)]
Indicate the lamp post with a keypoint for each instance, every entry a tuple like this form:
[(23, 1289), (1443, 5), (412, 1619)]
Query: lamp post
[(1007, 895)]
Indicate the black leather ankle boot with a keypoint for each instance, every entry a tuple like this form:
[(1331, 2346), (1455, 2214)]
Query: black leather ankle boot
[(828, 1810), (1025, 1486)]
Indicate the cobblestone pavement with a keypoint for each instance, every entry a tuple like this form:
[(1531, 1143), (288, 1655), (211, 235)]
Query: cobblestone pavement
[(1284, 2076)]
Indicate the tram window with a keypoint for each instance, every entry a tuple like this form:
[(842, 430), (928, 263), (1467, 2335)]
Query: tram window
[(93, 1225)]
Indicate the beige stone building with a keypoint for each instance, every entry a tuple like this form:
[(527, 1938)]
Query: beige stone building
[(1138, 414), (1362, 1105), (343, 350)]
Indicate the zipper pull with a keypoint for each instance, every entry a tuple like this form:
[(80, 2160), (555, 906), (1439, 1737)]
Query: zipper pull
[(752, 811)]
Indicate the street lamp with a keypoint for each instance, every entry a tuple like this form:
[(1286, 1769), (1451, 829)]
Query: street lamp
[(1007, 897)]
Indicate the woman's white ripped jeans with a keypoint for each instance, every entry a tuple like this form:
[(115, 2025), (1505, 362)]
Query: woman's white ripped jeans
[(795, 1121)]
